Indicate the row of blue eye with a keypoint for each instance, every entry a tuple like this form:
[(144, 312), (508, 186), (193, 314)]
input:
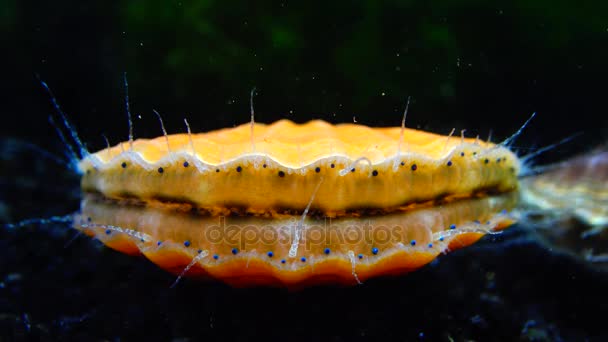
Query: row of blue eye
[(270, 254), (326, 250)]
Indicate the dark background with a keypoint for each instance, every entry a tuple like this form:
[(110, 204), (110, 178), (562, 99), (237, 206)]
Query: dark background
[(478, 65), (475, 65)]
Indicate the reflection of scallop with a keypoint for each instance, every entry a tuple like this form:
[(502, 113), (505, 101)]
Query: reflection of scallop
[(379, 200), (240, 251)]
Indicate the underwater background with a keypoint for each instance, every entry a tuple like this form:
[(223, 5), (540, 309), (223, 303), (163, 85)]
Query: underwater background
[(483, 66)]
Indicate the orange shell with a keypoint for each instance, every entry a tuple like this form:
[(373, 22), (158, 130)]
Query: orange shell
[(279, 168)]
